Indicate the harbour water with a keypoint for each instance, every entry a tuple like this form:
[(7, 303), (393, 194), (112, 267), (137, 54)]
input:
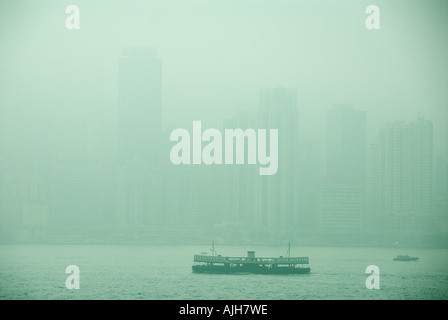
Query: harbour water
[(164, 272)]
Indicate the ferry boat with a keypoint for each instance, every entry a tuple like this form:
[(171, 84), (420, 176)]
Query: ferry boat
[(214, 263), (405, 258)]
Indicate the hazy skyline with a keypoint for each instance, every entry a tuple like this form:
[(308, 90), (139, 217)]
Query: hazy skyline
[(71, 104)]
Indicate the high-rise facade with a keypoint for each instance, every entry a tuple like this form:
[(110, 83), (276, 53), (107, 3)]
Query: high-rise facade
[(139, 192), (278, 110), (346, 141), (139, 105), (341, 203), (400, 178)]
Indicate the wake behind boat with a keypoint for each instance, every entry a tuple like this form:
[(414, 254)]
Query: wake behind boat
[(250, 264)]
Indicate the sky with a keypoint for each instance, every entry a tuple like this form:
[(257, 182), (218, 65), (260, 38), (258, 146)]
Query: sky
[(218, 54)]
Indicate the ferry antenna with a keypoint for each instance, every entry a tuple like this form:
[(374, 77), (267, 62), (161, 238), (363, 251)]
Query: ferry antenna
[(288, 253), (213, 249)]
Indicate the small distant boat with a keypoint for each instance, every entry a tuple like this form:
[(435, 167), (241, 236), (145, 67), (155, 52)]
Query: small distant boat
[(250, 264), (405, 258)]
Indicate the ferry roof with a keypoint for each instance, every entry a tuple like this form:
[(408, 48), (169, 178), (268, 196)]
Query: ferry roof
[(247, 260)]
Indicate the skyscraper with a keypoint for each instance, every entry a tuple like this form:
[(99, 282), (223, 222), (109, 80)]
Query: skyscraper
[(139, 105), (342, 193), (346, 143), (278, 110), (308, 179), (139, 135), (440, 194), (240, 183), (400, 180), (76, 195)]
